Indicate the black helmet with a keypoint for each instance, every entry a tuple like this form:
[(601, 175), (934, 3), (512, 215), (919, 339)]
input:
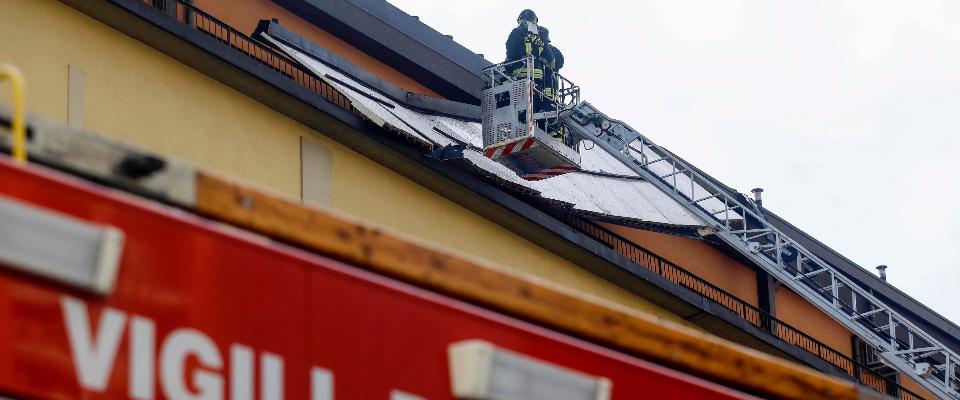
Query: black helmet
[(544, 34), (527, 15)]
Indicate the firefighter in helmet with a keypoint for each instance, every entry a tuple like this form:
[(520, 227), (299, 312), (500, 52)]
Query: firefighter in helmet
[(525, 41)]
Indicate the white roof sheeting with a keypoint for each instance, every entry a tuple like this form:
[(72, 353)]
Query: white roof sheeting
[(622, 196)]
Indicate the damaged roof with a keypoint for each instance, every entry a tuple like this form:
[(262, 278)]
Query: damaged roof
[(606, 187), (400, 40)]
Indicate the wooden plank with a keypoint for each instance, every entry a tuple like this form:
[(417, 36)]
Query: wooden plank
[(525, 297)]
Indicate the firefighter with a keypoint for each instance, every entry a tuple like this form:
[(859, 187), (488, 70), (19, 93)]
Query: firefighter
[(525, 41), (552, 62)]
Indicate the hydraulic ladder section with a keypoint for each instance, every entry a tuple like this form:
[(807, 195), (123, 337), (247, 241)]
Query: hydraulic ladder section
[(898, 342)]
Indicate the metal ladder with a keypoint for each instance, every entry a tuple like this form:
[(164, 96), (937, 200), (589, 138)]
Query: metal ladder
[(898, 342)]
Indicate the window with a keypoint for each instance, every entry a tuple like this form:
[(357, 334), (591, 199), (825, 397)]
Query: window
[(314, 173)]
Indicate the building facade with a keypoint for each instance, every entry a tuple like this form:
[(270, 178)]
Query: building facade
[(201, 80)]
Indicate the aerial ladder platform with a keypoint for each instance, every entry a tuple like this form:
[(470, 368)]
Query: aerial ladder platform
[(516, 115)]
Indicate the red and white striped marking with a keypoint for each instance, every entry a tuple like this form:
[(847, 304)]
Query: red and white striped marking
[(548, 172), (509, 148)]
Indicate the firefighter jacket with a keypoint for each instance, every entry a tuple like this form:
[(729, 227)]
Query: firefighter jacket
[(551, 68), (525, 41)]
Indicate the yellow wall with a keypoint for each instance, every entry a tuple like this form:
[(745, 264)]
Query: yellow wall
[(141, 96)]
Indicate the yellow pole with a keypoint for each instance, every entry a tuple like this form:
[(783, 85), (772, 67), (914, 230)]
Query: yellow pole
[(11, 72)]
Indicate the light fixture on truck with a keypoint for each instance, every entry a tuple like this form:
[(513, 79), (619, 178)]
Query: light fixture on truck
[(59, 247), (481, 371)]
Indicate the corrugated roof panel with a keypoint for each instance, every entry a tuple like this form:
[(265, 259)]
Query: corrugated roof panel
[(626, 197), (469, 132), (683, 183), (593, 158), (376, 107)]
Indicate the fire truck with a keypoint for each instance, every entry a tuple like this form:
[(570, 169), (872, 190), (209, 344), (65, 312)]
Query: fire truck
[(127, 274)]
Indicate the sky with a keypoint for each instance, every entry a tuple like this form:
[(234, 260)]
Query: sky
[(846, 112)]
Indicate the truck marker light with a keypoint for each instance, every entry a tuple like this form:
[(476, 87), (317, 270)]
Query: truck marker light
[(59, 247), (481, 371)]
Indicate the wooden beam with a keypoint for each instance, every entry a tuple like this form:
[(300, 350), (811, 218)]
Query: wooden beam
[(525, 297)]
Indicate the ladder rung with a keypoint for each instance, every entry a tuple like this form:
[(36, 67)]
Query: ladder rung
[(644, 165), (706, 198), (677, 172), (826, 289), (739, 232), (759, 234), (868, 313), (812, 274), (920, 350)]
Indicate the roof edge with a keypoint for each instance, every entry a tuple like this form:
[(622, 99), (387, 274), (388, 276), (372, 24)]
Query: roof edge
[(370, 80), (374, 30)]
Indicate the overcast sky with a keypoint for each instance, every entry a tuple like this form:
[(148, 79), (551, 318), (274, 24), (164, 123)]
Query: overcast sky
[(846, 112)]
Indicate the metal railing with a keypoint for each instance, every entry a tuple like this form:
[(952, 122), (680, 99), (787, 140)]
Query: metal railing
[(548, 93), (201, 21), (755, 316), (222, 32)]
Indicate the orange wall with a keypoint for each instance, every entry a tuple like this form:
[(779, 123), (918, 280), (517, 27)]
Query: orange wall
[(699, 258), (245, 14), (794, 310), (728, 274), (916, 388)]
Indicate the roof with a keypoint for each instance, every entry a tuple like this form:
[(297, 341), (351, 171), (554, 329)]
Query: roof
[(400, 40), (610, 204), (606, 188)]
